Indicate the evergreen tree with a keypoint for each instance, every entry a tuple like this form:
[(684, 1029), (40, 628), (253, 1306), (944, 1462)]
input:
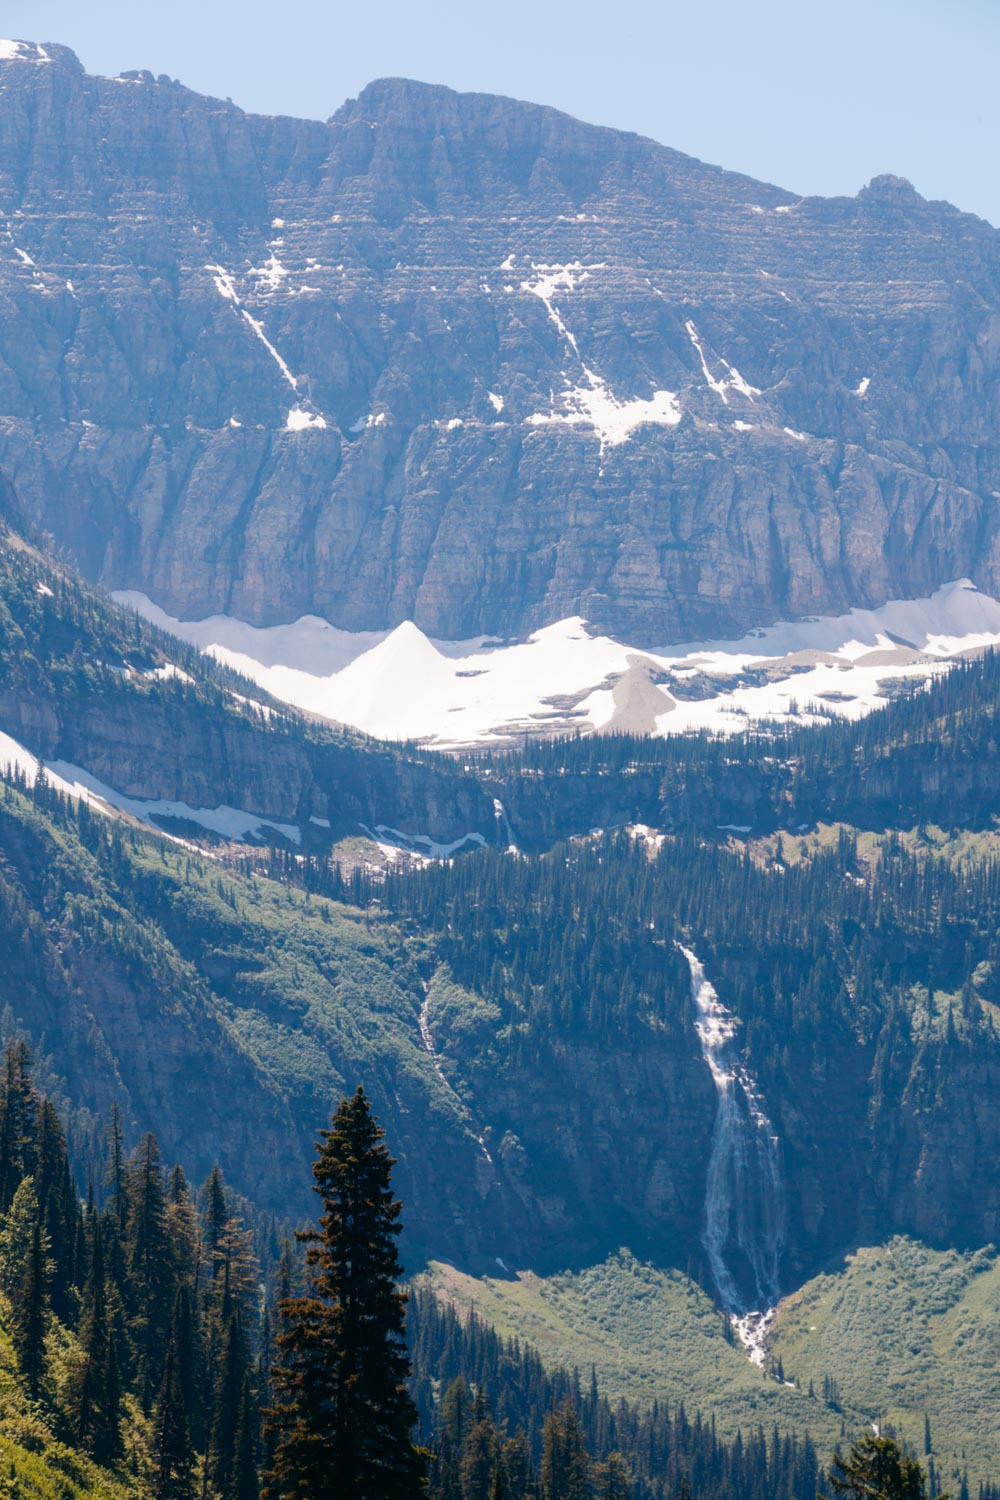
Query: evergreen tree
[(230, 1382), (114, 1173), (876, 1468), (342, 1414), (516, 1465), (243, 1481), (565, 1465), (98, 1411), (17, 1120), (15, 1236), (611, 1479), (480, 1452), (30, 1313), (173, 1456), (214, 1213), (183, 1229), (185, 1337), (59, 1209), (149, 1261)]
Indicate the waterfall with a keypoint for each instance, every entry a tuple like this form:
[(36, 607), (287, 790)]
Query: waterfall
[(505, 834), (744, 1198), (423, 1020)]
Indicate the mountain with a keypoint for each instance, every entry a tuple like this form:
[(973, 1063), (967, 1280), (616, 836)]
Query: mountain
[(465, 361)]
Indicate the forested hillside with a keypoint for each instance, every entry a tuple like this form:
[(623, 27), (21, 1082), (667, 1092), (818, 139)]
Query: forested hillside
[(928, 756)]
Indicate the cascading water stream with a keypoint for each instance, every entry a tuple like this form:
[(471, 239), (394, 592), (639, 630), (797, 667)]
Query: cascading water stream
[(744, 1197), (505, 834)]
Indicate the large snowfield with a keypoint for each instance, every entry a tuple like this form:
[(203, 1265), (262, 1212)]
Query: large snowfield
[(453, 695)]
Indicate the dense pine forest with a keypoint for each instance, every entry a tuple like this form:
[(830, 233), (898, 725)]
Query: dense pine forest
[(928, 756)]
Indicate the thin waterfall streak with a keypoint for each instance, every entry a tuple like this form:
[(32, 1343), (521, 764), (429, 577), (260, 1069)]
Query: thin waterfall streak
[(744, 1224)]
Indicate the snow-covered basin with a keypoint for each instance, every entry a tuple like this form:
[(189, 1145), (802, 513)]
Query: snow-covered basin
[(400, 684)]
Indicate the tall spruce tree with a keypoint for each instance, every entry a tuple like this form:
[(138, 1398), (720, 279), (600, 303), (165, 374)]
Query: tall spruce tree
[(173, 1454), (342, 1416), (230, 1380), (98, 1412), (30, 1312), (18, 1103), (114, 1172), (876, 1468), (565, 1464), (150, 1262), (243, 1484), (59, 1208)]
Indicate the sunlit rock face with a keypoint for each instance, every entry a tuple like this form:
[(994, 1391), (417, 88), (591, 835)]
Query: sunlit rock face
[(465, 361)]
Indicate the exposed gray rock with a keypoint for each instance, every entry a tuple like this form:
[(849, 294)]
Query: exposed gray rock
[(177, 277)]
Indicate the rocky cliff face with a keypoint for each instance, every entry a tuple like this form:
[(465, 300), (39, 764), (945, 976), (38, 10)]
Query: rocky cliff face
[(467, 361)]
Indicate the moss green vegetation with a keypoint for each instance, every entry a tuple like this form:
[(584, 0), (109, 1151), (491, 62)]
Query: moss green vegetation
[(651, 1335), (226, 1008), (35, 1462), (905, 1332)]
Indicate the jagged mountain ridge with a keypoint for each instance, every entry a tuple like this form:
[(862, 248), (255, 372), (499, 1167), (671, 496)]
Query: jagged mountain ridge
[(466, 361)]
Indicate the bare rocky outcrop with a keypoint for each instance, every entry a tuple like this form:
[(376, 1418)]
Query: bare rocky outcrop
[(467, 361)]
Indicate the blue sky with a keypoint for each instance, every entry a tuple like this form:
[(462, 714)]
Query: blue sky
[(814, 95)]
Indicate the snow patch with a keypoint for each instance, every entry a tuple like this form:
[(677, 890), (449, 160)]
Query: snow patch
[(862, 389), (270, 275), (401, 685), (735, 381), (225, 285), (422, 843), (169, 672), (300, 420), (23, 52), (495, 401), (373, 419), (228, 822), (614, 421)]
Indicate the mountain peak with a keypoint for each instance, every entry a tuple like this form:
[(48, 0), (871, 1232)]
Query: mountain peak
[(39, 53), (887, 188)]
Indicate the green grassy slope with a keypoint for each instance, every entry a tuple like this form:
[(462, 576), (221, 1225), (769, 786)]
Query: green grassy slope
[(650, 1334), (898, 1333), (906, 1331)]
